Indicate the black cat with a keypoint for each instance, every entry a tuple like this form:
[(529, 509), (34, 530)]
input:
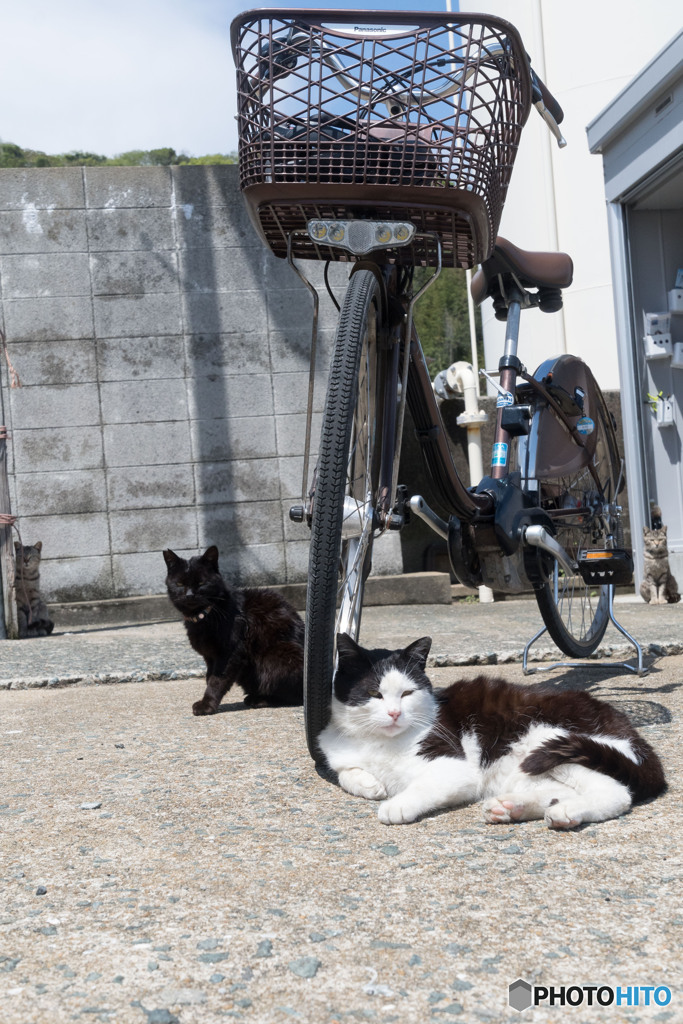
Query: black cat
[(252, 637)]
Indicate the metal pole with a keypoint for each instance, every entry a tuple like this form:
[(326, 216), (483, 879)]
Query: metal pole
[(468, 272), (9, 627), (547, 158), (9, 621), (473, 326)]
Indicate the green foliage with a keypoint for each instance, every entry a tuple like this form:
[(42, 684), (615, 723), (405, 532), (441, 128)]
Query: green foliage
[(213, 158), (12, 155), (78, 159), (442, 319), (133, 158)]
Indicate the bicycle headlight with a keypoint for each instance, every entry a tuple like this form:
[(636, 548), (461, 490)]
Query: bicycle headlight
[(361, 236), (317, 229)]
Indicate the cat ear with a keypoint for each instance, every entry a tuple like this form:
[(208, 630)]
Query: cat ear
[(347, 648), (170, 558), (211, 556), (354, 663), (38, 545), (352, 656), (418, 651)]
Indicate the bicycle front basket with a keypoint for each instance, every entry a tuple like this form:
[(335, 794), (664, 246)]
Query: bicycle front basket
[(407, 116)]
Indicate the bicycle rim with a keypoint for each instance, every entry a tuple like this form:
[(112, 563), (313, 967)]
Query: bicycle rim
[(345, 485), (576, 613)]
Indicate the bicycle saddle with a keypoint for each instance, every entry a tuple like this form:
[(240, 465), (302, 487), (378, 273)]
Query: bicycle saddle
[(548, 272)]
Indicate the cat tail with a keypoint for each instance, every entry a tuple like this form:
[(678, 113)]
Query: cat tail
[(644, 778)]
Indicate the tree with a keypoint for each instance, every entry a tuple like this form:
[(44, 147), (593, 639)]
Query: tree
[(12, 155), (442, 319)]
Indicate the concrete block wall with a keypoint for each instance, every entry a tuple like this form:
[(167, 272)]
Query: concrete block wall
[(163, 354)]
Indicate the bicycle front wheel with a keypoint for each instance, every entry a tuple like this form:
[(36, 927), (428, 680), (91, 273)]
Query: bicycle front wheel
[(581, 503), (345, 496)]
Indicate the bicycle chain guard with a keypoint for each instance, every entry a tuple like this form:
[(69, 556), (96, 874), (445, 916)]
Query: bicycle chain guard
[(491, 551)]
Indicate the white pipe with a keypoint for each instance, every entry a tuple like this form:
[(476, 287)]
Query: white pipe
[(460, 376)]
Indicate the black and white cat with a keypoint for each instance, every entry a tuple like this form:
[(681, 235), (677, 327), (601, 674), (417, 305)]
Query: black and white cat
[(565, 757)]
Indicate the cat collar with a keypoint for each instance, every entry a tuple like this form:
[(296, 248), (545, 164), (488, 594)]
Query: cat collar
[(198, 618)]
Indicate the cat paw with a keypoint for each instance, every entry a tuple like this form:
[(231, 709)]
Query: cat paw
[(358, 782), (256, 702), (203, 707), (562, 816), (398, 811), (502, 810)]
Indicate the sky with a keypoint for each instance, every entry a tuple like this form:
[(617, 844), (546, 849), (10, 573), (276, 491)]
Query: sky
[(108, 77)]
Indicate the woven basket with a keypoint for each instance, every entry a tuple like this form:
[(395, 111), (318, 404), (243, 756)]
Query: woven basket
[(406, 116)]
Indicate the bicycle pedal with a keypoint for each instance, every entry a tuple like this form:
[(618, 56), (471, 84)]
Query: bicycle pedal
[(606, 565)]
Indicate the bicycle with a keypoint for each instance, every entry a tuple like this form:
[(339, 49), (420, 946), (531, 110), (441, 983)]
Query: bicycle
[(389, 144)]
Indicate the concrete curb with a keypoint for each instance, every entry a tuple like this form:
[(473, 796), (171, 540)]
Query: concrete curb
[(404, 588)]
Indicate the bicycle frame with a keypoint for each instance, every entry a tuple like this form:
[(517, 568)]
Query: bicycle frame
[(492, 523), (496, 533)]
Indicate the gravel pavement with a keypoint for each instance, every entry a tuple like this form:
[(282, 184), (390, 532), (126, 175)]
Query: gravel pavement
[(160, 868)]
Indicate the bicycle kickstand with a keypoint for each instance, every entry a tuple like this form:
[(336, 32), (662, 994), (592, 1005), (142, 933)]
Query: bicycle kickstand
[(639, 669)]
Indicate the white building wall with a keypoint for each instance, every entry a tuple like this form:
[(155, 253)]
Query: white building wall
[(586, 52)]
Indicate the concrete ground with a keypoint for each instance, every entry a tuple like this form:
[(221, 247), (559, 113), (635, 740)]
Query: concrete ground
[(162, 868)]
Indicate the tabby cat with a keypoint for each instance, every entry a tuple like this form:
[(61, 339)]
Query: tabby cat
[(658, 586), (32, 614), (567, 758), (251, 637)]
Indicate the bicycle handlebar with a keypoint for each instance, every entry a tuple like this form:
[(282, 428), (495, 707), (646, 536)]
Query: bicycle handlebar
[(547, 106), (542, 92)]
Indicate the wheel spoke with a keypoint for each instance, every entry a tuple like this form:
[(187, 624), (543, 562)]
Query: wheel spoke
[(351, 584)]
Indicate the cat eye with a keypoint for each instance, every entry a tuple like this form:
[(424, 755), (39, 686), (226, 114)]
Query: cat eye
[(374, 693), (407, 693)]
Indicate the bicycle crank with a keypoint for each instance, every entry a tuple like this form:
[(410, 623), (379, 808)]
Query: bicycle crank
[(538, 537)]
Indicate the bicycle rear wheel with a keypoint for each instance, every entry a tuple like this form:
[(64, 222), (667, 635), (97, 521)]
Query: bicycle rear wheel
[(345, 496), (582, 506)]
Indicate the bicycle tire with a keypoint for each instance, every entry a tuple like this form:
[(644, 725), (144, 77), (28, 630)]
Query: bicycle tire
[(344, 498), (574, 612)]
